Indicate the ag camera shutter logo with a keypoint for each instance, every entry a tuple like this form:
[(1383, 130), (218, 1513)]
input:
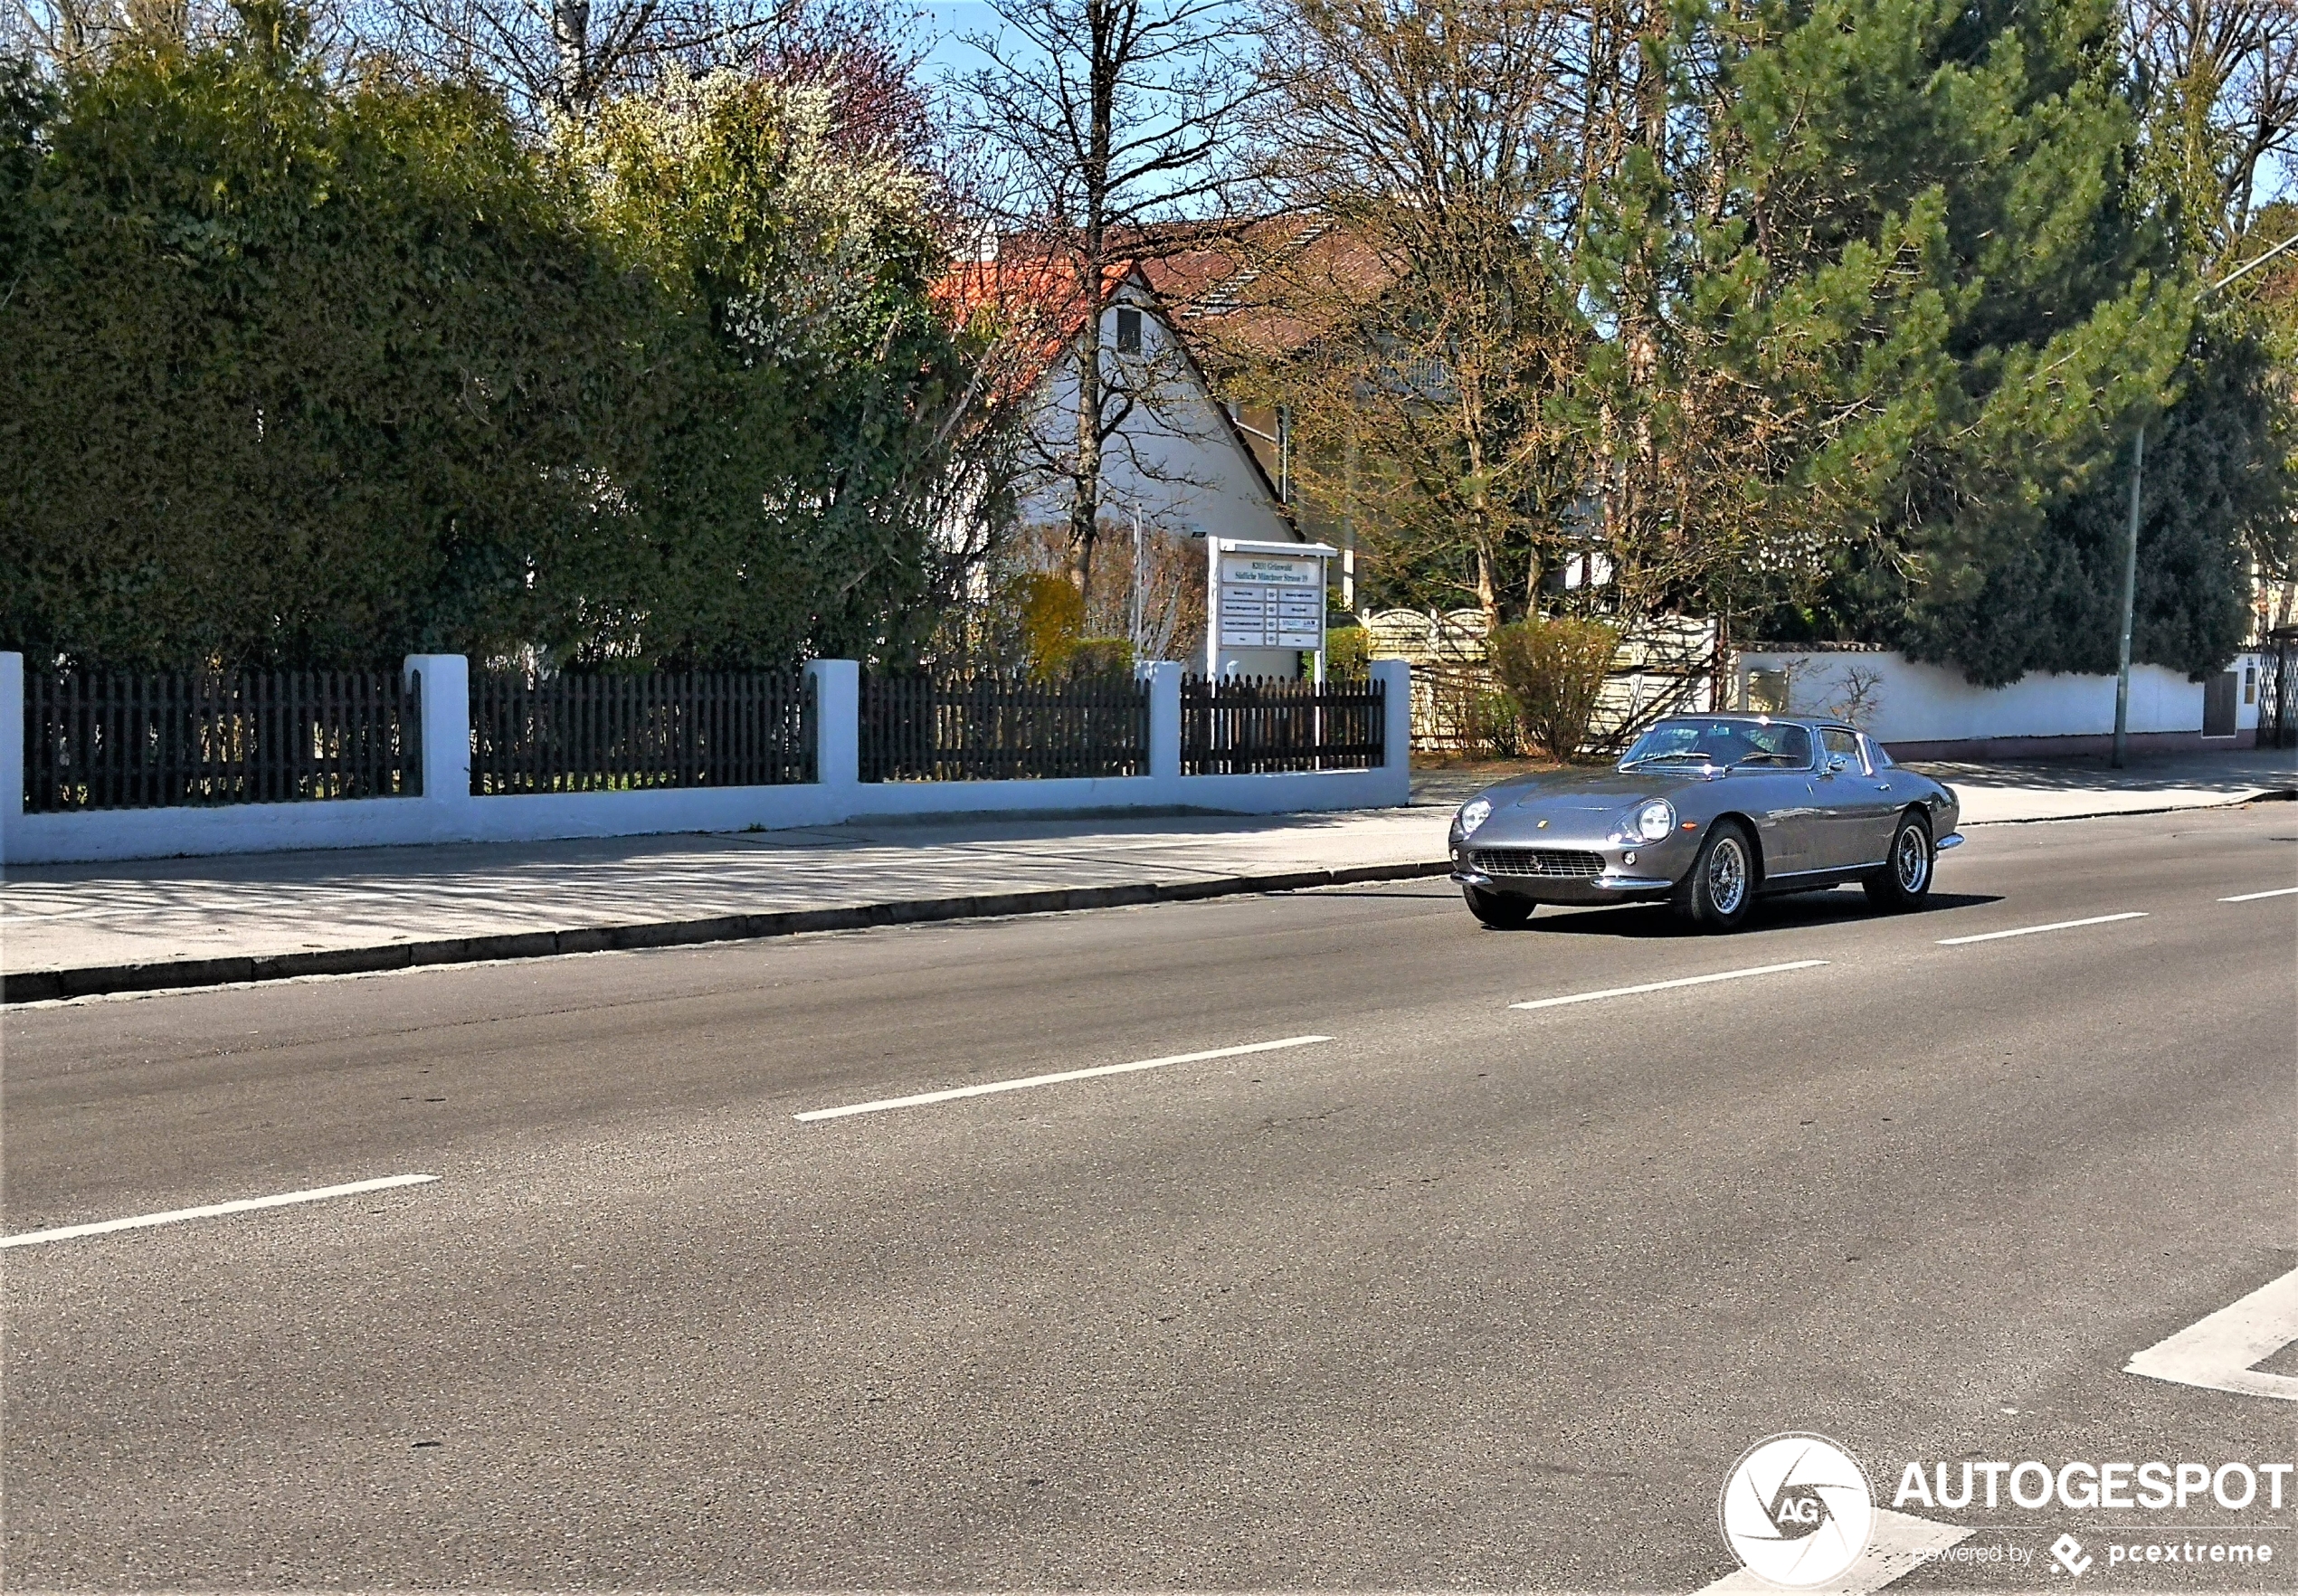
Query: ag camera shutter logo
[(1797, 1510)]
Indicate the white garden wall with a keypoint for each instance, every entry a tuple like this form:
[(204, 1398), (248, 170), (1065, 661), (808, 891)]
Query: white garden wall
[(448, 813), (1930, 711)]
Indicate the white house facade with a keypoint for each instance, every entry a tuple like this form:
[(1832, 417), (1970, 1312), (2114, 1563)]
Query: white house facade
[(1174, 456)]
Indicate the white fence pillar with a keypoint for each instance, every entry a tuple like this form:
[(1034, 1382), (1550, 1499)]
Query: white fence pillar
[(837, 721), (1163, 676), (445, 686), (11, 746), (1396, 733)]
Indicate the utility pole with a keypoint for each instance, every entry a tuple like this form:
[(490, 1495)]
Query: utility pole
[(1136, 608), (2130, 601), (2131, 551)]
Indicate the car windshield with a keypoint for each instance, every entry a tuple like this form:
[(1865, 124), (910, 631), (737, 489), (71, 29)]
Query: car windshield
[(1723, 742)]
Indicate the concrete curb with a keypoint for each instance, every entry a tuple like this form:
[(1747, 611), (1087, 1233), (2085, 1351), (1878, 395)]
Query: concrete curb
[(32, 986)]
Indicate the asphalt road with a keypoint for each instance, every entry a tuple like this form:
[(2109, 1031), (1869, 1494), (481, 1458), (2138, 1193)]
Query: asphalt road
[(1467, 1296)]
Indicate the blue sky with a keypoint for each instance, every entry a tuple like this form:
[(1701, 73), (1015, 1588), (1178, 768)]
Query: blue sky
[(941, 23)]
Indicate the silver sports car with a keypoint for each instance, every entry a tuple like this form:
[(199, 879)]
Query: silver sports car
[(1708, 811)]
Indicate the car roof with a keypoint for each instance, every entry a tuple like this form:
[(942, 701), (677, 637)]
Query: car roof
[(1751, 717)]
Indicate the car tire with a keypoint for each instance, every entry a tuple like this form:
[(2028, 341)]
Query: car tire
[(1720, 891), (1905, 880), (1498, 911)]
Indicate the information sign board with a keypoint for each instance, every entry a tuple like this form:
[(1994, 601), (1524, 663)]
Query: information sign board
[(1271, 602)]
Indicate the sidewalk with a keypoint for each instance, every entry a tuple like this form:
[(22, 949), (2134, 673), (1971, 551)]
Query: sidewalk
[(2075, 788), (71, 930)]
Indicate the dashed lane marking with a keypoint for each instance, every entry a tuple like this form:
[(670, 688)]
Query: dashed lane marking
[(952, 1094), (1613, 991), (2031, 930), (2217, 1353), (214, 1210), (2255, 897)]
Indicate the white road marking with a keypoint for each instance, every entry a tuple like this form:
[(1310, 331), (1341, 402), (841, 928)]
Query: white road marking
[(2255, 897), (986, 1087), (1613, 991), (2216, 1352), (1896, 1547), (2030, 930), (213, 1210)]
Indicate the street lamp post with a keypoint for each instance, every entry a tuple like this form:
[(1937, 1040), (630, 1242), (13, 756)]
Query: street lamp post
[(2131, 551)]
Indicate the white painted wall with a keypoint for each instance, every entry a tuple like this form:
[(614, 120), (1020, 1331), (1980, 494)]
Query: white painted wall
[(1176, 456), (448, 813), (1918, 703)]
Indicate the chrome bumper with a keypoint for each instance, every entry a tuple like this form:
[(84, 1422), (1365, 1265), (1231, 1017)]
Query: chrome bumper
[(1567, 888)]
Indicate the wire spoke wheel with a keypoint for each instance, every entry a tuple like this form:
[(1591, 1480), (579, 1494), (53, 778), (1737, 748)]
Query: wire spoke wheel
[(1726, 875), (1718, 892), (1911, 859), (1903, 880)]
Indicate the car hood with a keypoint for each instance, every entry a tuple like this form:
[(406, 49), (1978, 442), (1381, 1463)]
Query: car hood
[(1582, 792)]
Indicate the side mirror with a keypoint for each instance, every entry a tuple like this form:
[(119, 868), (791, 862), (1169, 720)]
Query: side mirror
[(1836, 764)]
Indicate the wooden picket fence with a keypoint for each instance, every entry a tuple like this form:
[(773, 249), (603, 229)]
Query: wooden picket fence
[(113, 740), (917, 727), (1243, 725), (622, 731)]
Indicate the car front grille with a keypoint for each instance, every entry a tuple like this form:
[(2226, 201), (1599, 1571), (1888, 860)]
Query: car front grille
[(1536, 861)]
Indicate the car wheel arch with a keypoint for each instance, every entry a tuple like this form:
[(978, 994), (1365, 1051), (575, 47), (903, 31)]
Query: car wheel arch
[(1881, 885), (1754, 843)]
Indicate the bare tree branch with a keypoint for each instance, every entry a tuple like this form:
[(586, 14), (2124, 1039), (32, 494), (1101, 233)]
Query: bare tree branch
[(1116, 121)]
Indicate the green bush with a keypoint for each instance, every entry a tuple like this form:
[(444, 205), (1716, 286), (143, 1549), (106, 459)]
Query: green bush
[(1096, 657), (1348, 650), (297, 374), (306, 372), (1052, 612), (1553, 671)]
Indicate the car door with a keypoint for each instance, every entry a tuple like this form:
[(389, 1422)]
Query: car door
[(1776, 786), (1854, 803)]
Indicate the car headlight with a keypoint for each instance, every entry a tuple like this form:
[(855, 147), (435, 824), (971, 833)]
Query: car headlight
[(1474, 813), (1654, 820)]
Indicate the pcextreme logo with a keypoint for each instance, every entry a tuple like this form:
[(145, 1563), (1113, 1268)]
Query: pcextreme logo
[(1797, 1511)]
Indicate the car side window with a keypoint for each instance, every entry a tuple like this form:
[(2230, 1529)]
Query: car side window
[(1843, 745), (1877, 759), (1771, 744)]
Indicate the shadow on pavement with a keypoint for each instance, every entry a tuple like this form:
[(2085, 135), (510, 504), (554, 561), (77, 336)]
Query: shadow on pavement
[(2235, 772), (1791, 913)]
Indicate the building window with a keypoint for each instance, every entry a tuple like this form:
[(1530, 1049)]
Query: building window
[(1128, 331)]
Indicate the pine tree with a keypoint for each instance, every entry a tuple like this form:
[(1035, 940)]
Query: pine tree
[(1912, 302)]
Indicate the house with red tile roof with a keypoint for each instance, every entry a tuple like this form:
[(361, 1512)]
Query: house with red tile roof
[(1174, 454)]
